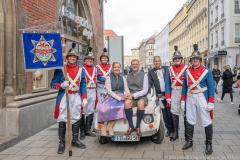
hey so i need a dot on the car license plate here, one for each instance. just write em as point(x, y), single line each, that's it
point(125, 138)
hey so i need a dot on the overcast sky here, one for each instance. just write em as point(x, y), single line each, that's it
point(139, 19)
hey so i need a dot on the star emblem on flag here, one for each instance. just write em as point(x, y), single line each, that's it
point(43, 51)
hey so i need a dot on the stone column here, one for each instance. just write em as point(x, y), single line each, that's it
point(1, 54)
point(2, 100)
point(10, 43)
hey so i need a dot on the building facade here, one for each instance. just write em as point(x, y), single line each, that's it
point(25, 96)
point(178, 32)
point(161, 47)
point(224, 33)
point(108, 33)
point(146, 52)
point(129, 57)
point(188, 27)
point(198, 27)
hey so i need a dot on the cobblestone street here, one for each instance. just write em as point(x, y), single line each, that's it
point(226, 143)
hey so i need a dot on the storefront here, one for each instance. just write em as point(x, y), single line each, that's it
point(26, 96)
point(75, 25)
point(218, 59)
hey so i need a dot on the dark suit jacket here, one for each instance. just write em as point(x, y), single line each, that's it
point(153, 80)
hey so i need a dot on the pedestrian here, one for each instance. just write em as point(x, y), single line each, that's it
point(198, 96)
point(173, 89)
point(77, 94)
point(138, 85)
point(112, 108)
point(216, 76)
point(91, 80)
point(227, 78)
point(125, 72)
point(156, 79)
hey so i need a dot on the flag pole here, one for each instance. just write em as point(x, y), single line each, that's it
point(69, 128)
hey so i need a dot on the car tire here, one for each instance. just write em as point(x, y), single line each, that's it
point(159, 136)
point(102, 140)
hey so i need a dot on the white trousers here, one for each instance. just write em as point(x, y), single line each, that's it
point(196, 108)
point(176, 101)
point(74, 107)
point(91, 98)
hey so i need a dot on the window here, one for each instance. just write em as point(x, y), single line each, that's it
point(237, 6)
point(40, 79)
point(216, 18)
point(216, 44)
point(237, 33)
point(222, 5)
point(222, 32)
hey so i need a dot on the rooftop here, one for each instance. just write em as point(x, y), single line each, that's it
point(109, 33)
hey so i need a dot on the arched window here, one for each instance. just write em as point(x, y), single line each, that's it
point(69, 10)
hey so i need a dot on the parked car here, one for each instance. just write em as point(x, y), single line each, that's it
point(151, 126)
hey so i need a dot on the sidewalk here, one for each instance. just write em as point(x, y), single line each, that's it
point(226, 143)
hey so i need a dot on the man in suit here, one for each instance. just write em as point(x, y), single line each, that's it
point(157, 79)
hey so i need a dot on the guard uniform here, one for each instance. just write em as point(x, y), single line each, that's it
point(91, 81)
point(103, 70)
point(76, 84)
point(198, 95)
point(173, 90)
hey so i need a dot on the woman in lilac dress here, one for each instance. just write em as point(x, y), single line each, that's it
point(112, 108)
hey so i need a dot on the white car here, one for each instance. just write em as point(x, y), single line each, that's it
point(151, 125)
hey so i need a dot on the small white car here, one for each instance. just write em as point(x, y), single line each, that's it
point(151, 125)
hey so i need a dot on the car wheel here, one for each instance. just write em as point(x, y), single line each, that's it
point(102, 140)
point(159, 136)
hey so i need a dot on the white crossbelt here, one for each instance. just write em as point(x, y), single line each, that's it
point(196, 83)
point(105, 74)
point(91, 84)
point(177, 87)
point(73, 86)
point(177, 77)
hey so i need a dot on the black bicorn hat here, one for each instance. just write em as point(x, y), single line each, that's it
point(73, 51)
point(177, 53)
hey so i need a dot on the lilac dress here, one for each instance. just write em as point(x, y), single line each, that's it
point(112, 107)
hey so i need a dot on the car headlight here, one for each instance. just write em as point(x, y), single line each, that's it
point(148, 118)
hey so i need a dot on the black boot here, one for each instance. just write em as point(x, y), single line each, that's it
point(75, 133)
point(175, 127)
point(171, 136)
point(209, 134)
point(82, 128)
point(89, 121)
point(189, 136)
point(61, 136)
point(185, 121)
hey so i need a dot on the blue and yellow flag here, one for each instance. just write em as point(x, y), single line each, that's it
point(42, 50)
